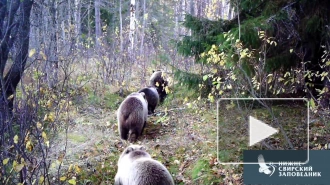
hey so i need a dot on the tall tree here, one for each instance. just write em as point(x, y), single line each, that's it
point(77, 18)
point(98, 32)
point(132, 27)
point(143, 26)
point(14, 42)
point(121, 27)
point(51, 44)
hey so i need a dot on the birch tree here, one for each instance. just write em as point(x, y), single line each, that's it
point(98, 32)
point(132, 27)
point(77, 18)
point(121, 27)
point(143, 26)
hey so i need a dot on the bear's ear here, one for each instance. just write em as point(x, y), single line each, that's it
point(143, 148)
point(143, 94)
point(129, 149)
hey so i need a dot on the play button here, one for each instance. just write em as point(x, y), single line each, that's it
point(259, 130)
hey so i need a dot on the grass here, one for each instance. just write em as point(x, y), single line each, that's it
point(202, 173)
point(199, 168)
point(233, 132)
point(77, 138)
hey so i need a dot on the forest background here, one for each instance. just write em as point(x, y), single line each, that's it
point(65, 66)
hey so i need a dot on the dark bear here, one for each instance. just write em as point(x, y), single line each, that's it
point(152, 98)
point(157, 80)
point(132, 116)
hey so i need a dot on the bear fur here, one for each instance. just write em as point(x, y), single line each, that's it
point(136, 167)
point(158, 81)
point(152, 97)
point(132, 116)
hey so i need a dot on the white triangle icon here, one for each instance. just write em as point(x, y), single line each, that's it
point(259, 130)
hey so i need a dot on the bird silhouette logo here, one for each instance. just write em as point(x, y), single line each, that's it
point(264, 168)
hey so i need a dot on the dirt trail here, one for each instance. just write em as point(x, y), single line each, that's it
point(175, 138)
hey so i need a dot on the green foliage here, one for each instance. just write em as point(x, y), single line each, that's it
point(204, 35)
point(262, 53)
point(201, 173)
point(199, 167)
point(106, 100)
point(190, 80)
point(313, 24)
point(225, 155)
point(278, 61)
point(94, 99)
point(112, 101)
point(102, 173)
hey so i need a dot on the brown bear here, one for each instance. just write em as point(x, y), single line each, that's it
point(136, 167)
point(132, 116)
point(157, 80)
point(152, 98)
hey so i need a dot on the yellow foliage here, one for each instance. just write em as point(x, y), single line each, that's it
point(41, 180)
point(49, 104)
point(63, 178)
point(16, 139)
point(32, 52)
point(51, 117)
point(17, 167)
point(39, 125)
point(77, 169)
point(230, 106)
point(5, 161)
point(53, 165)
point(44, 57)
point(72, 181)
point(167, 90)
point(29, 146)
point(243, 54)
point(211, 98)
point(70, 167)
point(44, 135)
point(222, 62)
point(312, 103)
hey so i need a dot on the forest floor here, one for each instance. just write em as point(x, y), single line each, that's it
point(181, 137)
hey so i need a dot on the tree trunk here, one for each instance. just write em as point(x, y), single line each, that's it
point(192, 7)
point(143, 26)
point(13, 31)
point(98, 33)
point(77, 18)
point(52, 62)
point(132, 27)
point(230, 9)
point(121, 28)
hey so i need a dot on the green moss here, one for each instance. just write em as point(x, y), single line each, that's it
point(201, 173)
point(112, 101)
point(77, 138)
point(199, 168)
